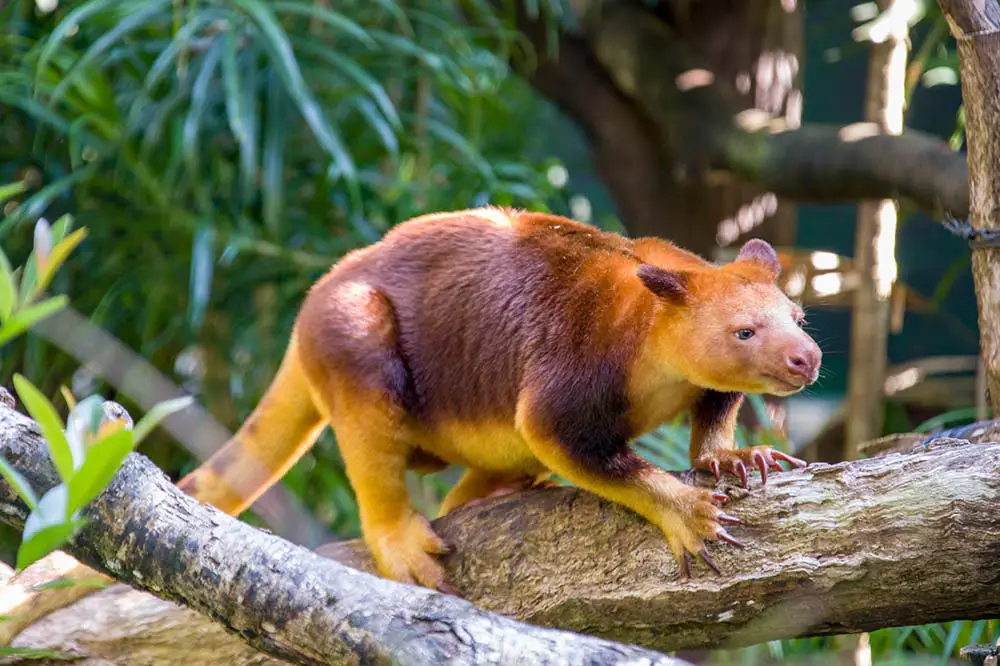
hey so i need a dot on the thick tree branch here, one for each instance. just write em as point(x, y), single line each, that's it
point(280, 598)
point(830, 549)
point(829, 163)
point(702, 119)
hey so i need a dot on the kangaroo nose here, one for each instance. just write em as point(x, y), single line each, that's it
point(804, 361)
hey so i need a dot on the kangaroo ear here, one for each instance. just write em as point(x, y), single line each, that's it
point(669, 285)
point(760, 251)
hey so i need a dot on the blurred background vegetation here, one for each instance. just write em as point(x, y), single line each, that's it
point(222, 154)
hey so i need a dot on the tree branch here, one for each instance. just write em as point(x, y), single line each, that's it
point(830, 549)
point(829, 163)
point(280, 598)
point(702, 119)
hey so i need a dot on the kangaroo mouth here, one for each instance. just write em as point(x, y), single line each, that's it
point(781, 386)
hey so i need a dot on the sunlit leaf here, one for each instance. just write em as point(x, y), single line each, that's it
point(83, 423)
point(48, 422)
point(10, 191)
point(43, 242)
point(155, 416)
point(29, 276)
point(26, 653)
point(57, 257)
point(8, 288)
point(27, 317)
point(103, 459)
point(45, 540)
point(20, 484)
point(68, 397)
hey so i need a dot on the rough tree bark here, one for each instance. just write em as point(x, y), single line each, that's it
point(278, 597)
point(976, 26)
point(830, 549)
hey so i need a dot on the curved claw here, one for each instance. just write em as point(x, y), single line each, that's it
point(758, 459)
point(714, 465)
point(686, 566)
point(774, 465)
point(729, 538)
point(720, 497)
point(741, 471)
point(789, 459)
point(709, 561)
point(731, 520)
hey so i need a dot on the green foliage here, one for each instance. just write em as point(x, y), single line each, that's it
point(85, 458)
point(221, 151)
point(19, 305)
point(85, 461)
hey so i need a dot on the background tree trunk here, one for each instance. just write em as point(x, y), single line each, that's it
point(875, 235)
point(976, 26)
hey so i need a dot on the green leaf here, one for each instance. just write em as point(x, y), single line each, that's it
point(103, 459)
point(11, 191)
point(93, 583)
point(44, 541)
point(29, 276)
point(130, 22)
point(202, 269)
point(49, 422)
point(241, 111)
point(8, 288)
point(192, 122)
point(331, 18)
point(349, 68)
point(154, 416)
point(37, 110)
point(288, 70)
point(57, 257)
point(32, 207)
point(67, 26)
point(84, 421)
point(458, 142)
point(24, 319)
point(38, 654)
point(20, 484)
point(273, 181)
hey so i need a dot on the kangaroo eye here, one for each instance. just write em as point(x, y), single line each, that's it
point(744, 333)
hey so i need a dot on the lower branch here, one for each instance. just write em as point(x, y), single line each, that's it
point(901, 539)
point(827, 164)
point(278, 597)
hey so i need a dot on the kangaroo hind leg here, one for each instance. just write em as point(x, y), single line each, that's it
point(364, 388)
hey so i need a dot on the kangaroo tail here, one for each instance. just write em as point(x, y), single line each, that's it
point(283, 426)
